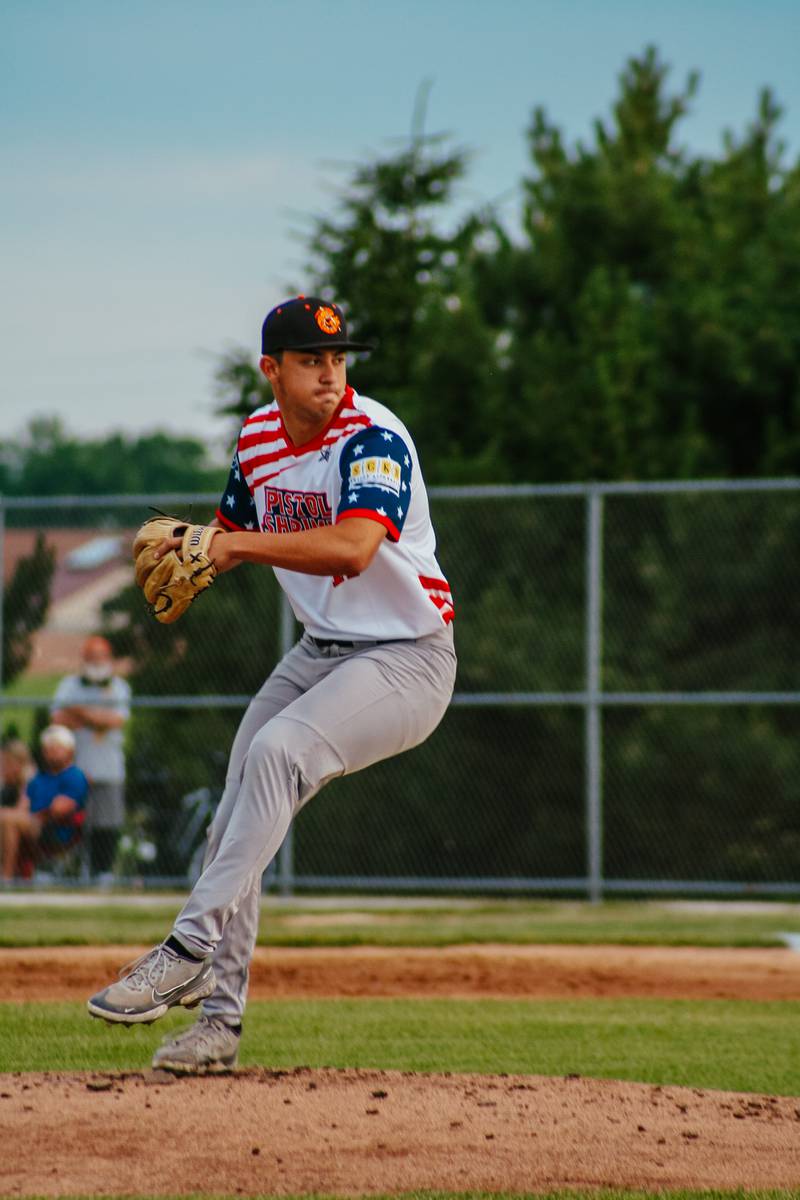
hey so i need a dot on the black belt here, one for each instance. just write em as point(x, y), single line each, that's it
point(326, 643)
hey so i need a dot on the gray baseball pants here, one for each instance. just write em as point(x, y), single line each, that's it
point(323, 712)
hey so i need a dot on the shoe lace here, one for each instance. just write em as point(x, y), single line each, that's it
point(147, 970)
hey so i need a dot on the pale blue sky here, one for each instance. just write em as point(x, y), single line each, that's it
point(157, 156)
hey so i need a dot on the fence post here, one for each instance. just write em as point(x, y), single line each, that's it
point(593, 753)
point(286, 852)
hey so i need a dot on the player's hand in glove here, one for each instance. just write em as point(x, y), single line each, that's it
point(173, 564)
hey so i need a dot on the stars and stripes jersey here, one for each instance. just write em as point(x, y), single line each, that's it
point(363, 464)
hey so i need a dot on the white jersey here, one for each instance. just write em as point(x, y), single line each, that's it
point(363, 464)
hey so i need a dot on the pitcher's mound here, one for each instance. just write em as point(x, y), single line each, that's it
point(359, 1132)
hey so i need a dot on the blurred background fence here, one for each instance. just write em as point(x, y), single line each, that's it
point(626, 718)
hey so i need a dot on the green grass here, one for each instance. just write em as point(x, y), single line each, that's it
point(730, 1045)
point(67, 925)
point(508, 921)
point(22, 718)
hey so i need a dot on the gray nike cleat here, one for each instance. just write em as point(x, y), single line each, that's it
point(149, 986)
point(209, 1047)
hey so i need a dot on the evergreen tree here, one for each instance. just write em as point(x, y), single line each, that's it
point(653, 307)
point(241, 387)
point(645, 326)
point(408, 287)
point(26, 598)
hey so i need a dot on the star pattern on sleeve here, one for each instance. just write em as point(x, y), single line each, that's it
point(375, 469)
point(237, 506)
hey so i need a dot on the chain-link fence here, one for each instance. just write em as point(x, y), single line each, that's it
point(626, 717)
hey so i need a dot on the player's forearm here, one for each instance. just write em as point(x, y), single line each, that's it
point(328, 550)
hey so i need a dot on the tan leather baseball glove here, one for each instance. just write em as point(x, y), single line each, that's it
point(171, 583)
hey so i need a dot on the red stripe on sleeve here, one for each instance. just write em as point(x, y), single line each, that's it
point(371, 515)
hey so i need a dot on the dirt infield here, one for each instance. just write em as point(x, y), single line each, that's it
point(690, 973)
point(361, 1132)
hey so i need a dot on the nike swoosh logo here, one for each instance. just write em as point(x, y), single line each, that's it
point(157, 995)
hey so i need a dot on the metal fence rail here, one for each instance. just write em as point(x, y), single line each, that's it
point(599, 616)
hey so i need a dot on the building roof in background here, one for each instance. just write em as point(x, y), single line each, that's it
point(91, 566)
point(82, 555)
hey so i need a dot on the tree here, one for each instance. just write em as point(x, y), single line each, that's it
point(408, 288)
point(25, 602)
point(652, 309)
point(241, 387)
point(49, 461)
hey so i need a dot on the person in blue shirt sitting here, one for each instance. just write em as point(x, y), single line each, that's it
point(49, 814)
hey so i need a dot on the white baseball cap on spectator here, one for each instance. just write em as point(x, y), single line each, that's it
point(58, 735)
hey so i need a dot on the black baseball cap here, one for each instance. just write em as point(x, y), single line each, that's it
point(306, 323)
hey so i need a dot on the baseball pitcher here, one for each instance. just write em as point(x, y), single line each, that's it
point(325, 487)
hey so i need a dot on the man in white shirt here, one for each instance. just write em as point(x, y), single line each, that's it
point(95, 704)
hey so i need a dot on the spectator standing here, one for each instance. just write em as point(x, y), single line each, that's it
point(51, 810)
point(95, 704)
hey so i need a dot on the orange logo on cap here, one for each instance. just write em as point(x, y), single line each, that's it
point(328, 320)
